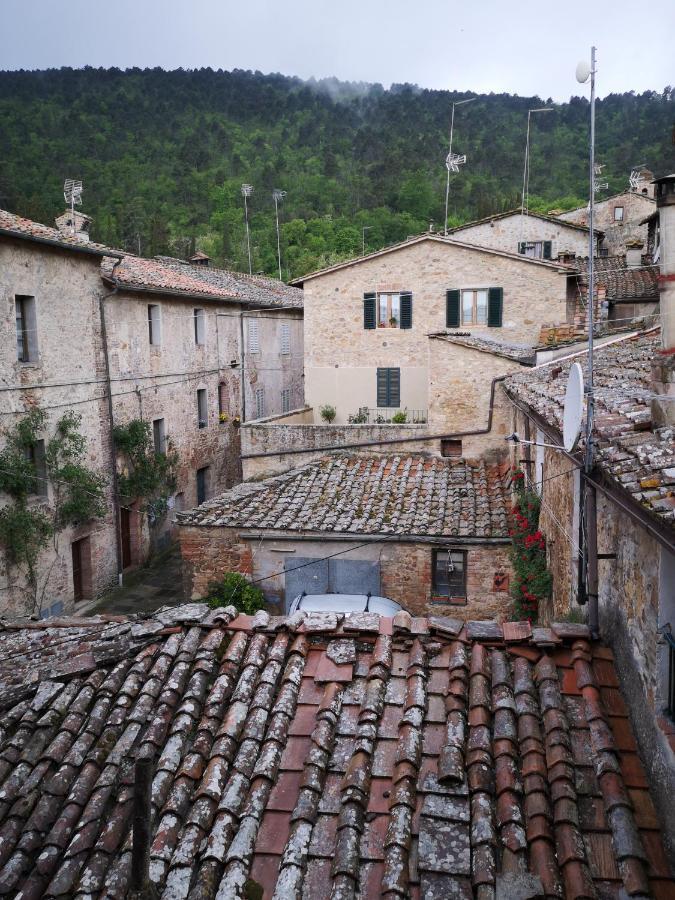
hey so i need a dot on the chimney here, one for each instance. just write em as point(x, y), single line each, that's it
point(77, 228)
point(663, 368)
point(634, 253)
point(645, 184)
point(199, 259)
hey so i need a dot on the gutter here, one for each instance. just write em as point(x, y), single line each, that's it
point(387, 441)
point(440, 540)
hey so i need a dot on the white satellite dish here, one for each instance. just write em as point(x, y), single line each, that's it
point(583, 72)
point(574, 407)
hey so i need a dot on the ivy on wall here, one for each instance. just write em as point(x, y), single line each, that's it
point(146, 476)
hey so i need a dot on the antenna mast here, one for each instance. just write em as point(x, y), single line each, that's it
point(246, 191)
point(278, 195)
point(72, 194)
point(453, 160)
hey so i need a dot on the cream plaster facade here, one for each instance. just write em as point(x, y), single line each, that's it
point(507, 232)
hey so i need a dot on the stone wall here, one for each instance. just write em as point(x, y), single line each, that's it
point(636, 207)
point(405, 567)
point(341, 357)
point(67, 372)
point(507, 233)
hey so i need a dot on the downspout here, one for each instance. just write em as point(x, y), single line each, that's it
point(242, 357)
point(113, 449)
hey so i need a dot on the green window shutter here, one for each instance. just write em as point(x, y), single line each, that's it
point(547, 249)
point(452, 309)
point(369, 311)
point(521, 247)
point(406, 310)
point(495, 304)
point(382, 387)
point(394, 387)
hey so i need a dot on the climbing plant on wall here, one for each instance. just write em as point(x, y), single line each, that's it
point(49, 488)
point(532, 581)
point(146, 475)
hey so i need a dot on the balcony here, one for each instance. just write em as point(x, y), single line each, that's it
point(386, 415)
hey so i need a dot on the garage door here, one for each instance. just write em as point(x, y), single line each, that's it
point(330, 576)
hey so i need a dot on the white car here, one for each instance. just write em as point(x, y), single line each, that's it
point(345, 603)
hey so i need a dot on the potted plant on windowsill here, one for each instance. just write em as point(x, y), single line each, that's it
point(393, 322)
point(328, 413)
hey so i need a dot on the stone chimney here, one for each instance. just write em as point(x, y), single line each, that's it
point(78, 229)
point(199, 259)
point(663, 369)
point(634, 253)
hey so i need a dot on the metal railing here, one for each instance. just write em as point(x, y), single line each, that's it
point(388, 415)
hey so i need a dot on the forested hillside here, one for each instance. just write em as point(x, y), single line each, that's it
point(163, 155)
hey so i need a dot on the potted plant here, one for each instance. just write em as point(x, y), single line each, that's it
point(400, 417)
point(393, 321)
point(328, 413)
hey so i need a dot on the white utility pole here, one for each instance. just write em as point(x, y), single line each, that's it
point(278, 195)
point(246, 191)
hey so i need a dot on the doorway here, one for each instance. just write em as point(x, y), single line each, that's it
point(125, 526)
point(82, 583)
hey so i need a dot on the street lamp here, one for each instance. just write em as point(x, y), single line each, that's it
point(526, 167)
point(453, 161)
point(246, 191)
point(278, 195)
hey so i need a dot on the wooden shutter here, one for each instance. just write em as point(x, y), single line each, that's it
point(394, 387)
point(369, 311)
point(495, 304)
point(382, 387)
point(547, 249)
point(406, 310)
point(452, 309)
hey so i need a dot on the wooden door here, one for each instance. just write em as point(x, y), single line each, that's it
point(125, 524)
point(76, 547)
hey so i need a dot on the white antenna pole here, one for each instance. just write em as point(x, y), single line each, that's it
point(451, 163)
point(588, 464)
point(247, 190)
point(525, 198)
point(277, 196)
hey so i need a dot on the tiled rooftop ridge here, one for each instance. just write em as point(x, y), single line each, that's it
point(327, 756)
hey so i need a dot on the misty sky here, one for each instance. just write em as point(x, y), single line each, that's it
point(481, 45)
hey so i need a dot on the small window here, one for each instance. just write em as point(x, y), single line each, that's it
point(253, 338)
point(202, 485)
point(82, 571)
point(159, 435)
point(449, 574)
point(35, 455)
point(223, 404)
point(388, 388)
point(202, 411)
point(388, 310)
point(533, 249)
point(26, 329)
point(200, 327)
point(259, 403)
point(474, 307)
point(154, 330)
point(286, 400)
point(618, 213)
point(451, 447)
point(285, 340)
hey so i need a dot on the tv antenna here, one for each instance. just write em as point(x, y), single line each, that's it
point(277, 196)
point(635, 177)
point(597, 184)
point(246, 191)
point(453, 160)
point(72, 194)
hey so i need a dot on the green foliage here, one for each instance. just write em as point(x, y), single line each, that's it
point(79, 492)
point(400, 417)
point(532, 581)
point(235, 590)
point(17, 472)
point(163, 156)
point(328, 413)
point(24, 532)
point(146, 475)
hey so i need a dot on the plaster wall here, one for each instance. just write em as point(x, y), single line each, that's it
point(269, 368)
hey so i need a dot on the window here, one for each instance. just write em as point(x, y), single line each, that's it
point(26, 333)
point(202, 485)
point(285, 340)
point(223, 404)
point(449, 574)
point(618, 213)
point(159, 435)
point(451, 447)
point(35, 455)
point(202, 411)
point(253, 338)
point(200, 327)
point(387, 310)
point(82, 573)
point(535, 249)
point(286, 400)
point(259, 403)
point(475, 306)
point(388, 387)
point(154, 330)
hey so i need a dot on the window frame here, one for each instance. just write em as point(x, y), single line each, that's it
point(259, 397)
point(154, 324)
point(285, 340)
point(25, 310)
point(458, 597)
point(388, 388)
point(474, 306)
point(159, 435)
point(202, 408)
point(200, 326)
point(253, 336)
point(202, 475)
point(390, 298)
point(621, 210)
point(285, 400)
point(35, 455)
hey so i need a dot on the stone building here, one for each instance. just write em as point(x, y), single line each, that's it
point(530, 234)
point(430, 533)
point(634, 479)
point(115, 338)
point(619, 217)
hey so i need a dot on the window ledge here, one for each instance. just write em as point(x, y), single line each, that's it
point(451, 601)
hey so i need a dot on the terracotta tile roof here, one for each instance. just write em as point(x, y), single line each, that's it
point(16, 226)
point(368, 494)
point(174, 276)
point(556, 220)
point(621, 282)
point(639, 458)
point(417, 758)
point(515, 352)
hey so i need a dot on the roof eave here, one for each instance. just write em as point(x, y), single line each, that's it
point(61, 245)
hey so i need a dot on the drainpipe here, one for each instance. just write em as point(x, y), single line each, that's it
point(242, 356)
point(113, 449)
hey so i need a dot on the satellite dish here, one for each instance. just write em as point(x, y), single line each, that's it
point(583, 72)
point(574, 407)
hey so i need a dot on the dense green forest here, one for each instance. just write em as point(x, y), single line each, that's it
point(163, 156)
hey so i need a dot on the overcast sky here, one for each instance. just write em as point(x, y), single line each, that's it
point(480, 45)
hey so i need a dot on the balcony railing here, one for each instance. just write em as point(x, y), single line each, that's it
point(388, 415)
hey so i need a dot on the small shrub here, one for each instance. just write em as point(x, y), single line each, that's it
point(328, 413)
point(400, 417)
point(235, 590)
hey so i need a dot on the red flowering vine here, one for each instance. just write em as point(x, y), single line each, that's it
point(532, 581)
